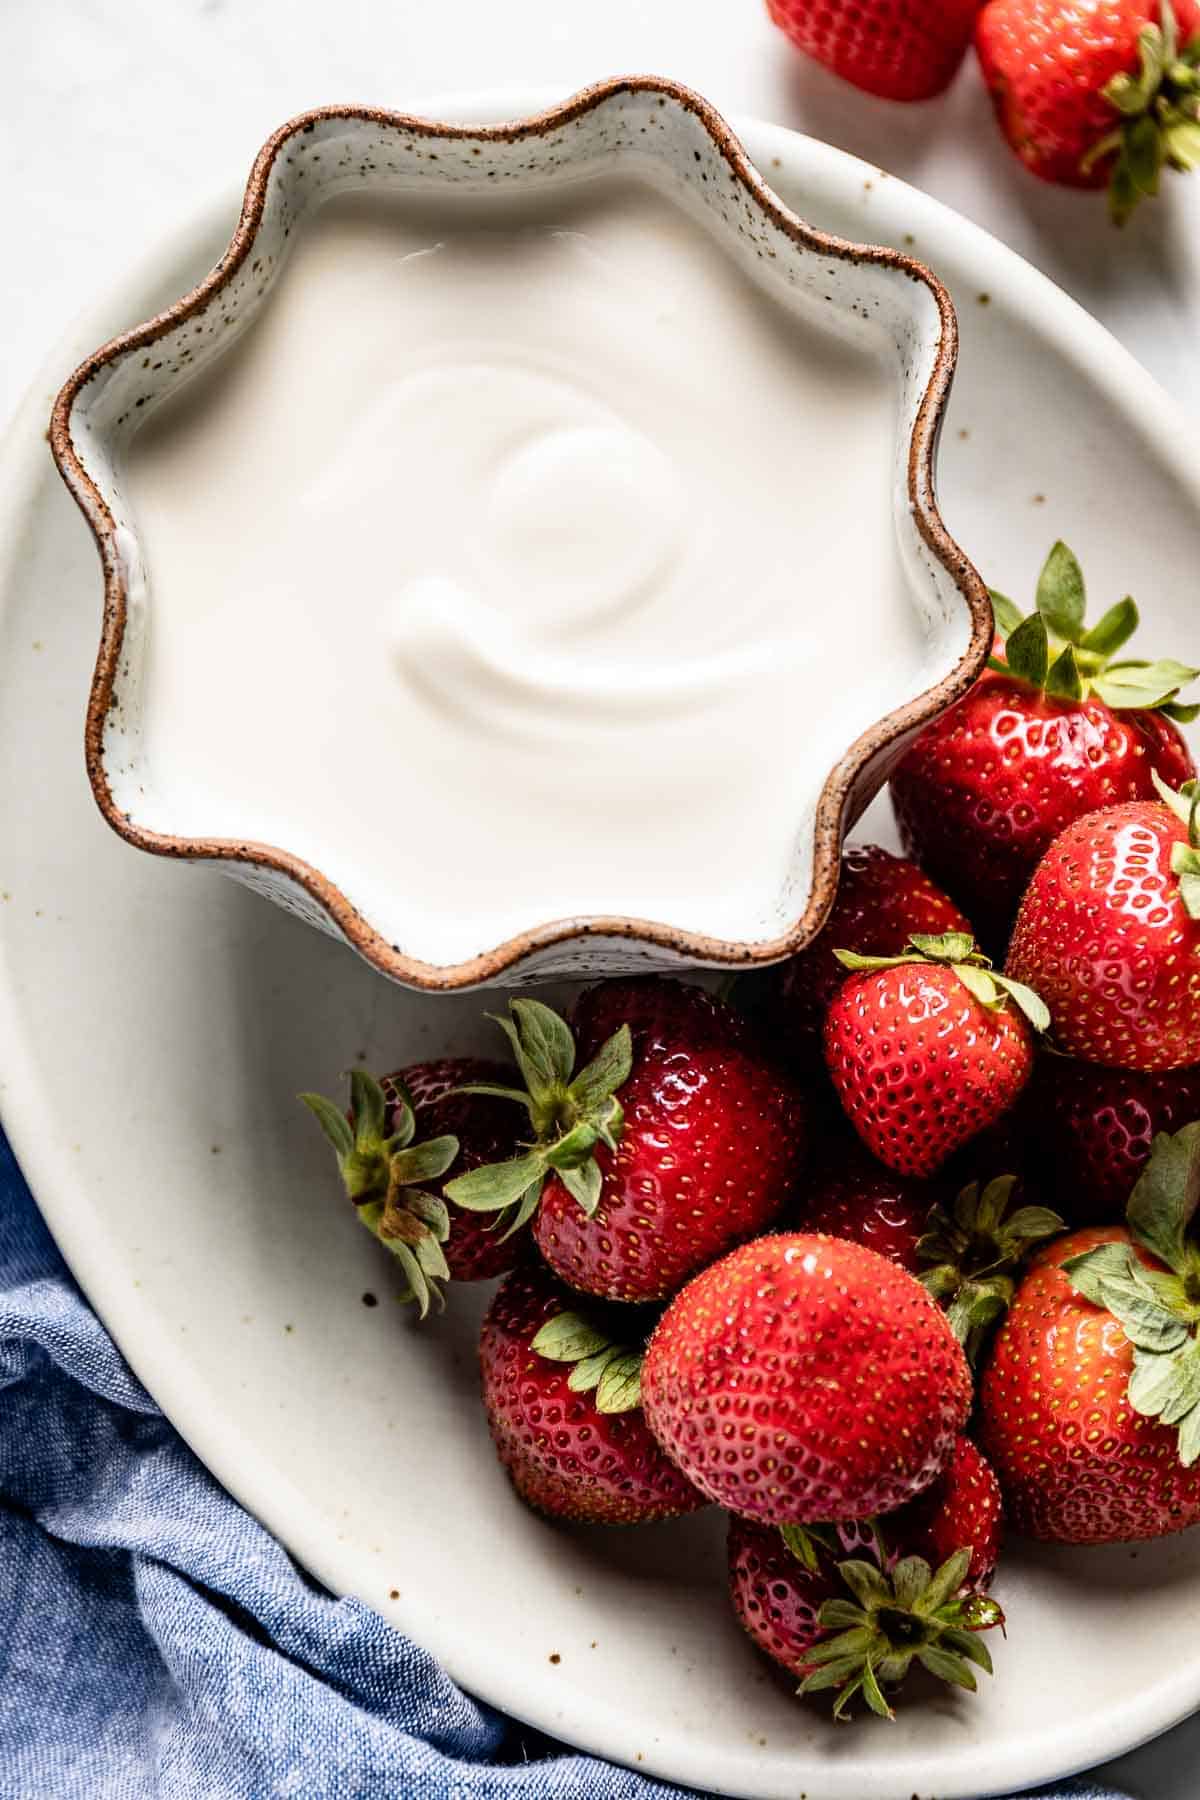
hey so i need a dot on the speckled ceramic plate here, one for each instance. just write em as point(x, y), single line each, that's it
point(181, 1014)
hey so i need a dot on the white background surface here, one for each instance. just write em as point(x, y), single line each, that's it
point(119, 116)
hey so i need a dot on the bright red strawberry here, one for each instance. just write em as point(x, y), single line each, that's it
point(1109, 929)
point(899, 49)
point(804, 1378)
point(561, 1395)
point(1096, 1127)
point(1055, 730)
point(674, 1141)
point(881, 901)
point(1096, 93)
point(1089, 1405)
point(962, 1510)
point(386, 1172)
point(925, 1050)
point(800, 1609)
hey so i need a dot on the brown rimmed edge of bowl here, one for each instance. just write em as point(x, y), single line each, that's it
point(841, 787)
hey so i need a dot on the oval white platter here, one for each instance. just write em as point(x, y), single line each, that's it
point(158, 1021)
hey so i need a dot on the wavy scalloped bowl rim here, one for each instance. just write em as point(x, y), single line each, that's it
point(837, 791)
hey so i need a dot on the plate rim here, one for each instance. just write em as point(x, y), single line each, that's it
point(230, 1455)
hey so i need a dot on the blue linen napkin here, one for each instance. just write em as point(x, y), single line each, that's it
point(156, 1641)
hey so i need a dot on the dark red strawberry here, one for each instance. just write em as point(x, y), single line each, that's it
point(962, 1510)
point(1056, 729)
point(1096, 92)
point(1090, 1405)
point(928, 1049)
point(845, 1193)
point(675, 1140)
point(1096, 1127)
point(802, 1610)
point(881, 901)
point(561, 1394)
point(898, 49)
point(1109, 929)
point(386, 1173)
point(802, 1379)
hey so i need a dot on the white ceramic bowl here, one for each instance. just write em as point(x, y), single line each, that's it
point(659, 132)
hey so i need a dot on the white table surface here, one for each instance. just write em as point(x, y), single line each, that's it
point(119, 115)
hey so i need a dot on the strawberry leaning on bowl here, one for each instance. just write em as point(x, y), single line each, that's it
point(897, 49)
point(852, 1608)
point(1096, 1127)
point(928, 1048)
point(561, 1393)
point(1091, 1403)
point(881, 900)
point(1060, 725)
point(1109, 930)
point(658, 1135)
point(387, 1172)
point(802, 1379)
point(1096, 93)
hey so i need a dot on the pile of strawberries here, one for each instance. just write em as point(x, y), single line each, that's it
point(890, 1242)
point(1089, 93)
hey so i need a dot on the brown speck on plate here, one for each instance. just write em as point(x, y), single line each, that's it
point(1039, 499)
point(289, 1328)
point(370, 1300)
point(393, 1593)
point(985, 299)
point(554, 1657)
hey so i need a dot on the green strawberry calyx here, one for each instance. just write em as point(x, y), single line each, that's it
point(603, 1366)
point(1157, 1307)
point(383, 1171)
point(1054, 650)
point(1185, 858)
point(975, 1249)
point(1159, 116)
point(570, 1114)
point(957, 950)
point(908, 1613)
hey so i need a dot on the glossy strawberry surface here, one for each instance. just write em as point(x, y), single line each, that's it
point(986, 787)
point(962, 1509)
point(1046, 63)
point(845, 1193)
point(803, 1378)
point(920, 1065)
point(566, 1457)
point(1076, 1463)
point(1095, 1127)
point(776, 1599)
point(881, 900)
point(1104, 937)
point(486, 1129)
point(898, 49)
point(713, 1138)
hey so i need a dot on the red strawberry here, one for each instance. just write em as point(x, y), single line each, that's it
point(881, 901)
point(386, 1173)
point(674, 1141)
point(804, 1378)
point(962, 1509)
point(925, 1050)
point(899, 49)
point(561, 1395)
point(1053, 732)
point(845, 1193)
point(1109, 929)
point(795, 1603)
point(1089, 1405)
point(1096, 92)
point(1096, 1127)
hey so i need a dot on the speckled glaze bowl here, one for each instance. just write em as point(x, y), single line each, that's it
point(635, 125)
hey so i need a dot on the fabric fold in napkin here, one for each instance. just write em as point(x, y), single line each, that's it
point(156, 1643)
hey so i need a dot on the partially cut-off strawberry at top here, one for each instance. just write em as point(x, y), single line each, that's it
point(929, 1048)
point(657, 1135)
point(1096, 93)
point(898, 49)
point(1063, 722)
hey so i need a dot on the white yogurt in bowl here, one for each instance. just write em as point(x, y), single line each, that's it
point(531, 550)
